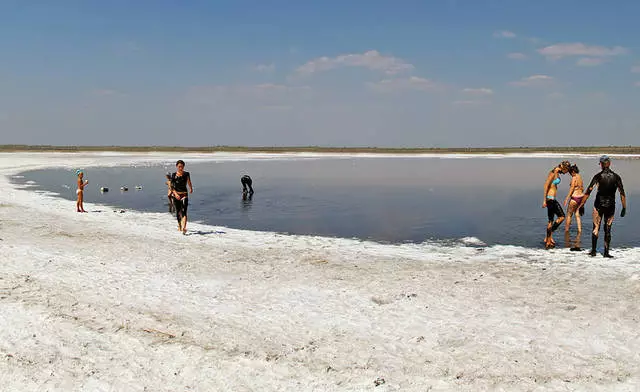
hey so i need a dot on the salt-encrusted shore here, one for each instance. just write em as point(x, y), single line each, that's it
point(110, 301)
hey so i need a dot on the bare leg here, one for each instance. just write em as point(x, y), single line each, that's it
point(573, 206)
point(550, 229)
point(79, 203)
point(597, 220)
point(183, 223)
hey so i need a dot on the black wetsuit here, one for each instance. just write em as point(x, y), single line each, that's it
point(179, 184)
point(246, 182)
point(608, 183)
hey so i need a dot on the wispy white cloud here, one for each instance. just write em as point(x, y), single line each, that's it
point(635, 69)
point(265, 68)
point(372, 60)
point(533, 81)
point(558, 51)
point(591, 61)
point(478, 91)
point(405, 84)
point(504, 34)
point(517, 56)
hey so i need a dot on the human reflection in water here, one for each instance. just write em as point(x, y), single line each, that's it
point(247, 199)
point(574, 245)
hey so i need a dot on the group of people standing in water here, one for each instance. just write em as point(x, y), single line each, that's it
point(604, 205)
point(179, 187)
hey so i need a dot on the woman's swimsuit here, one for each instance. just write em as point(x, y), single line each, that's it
point(553, 207)
point(179, 184)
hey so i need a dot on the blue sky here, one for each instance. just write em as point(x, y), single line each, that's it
point(377, 73)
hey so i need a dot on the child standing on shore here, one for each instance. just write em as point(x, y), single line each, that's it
point(80, 191)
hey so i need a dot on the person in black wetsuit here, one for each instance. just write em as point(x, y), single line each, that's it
point(179, 181)
point(604, 207)
point(246, 182)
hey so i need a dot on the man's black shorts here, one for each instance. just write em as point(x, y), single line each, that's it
point(606, 212)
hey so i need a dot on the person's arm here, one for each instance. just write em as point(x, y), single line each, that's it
point(587, 193)
point(623, 197)
point(189, 182)
point(547, 184)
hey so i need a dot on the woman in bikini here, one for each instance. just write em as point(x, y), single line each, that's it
point(179, 181)
point(551, 204)
point(574, 198)
point(80, 191)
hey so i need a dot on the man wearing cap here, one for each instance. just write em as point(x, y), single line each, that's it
point(604, 207)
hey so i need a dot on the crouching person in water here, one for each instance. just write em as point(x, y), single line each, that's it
point(551, 204)
point(604, 207)
point(179, 181)
point(246, 183)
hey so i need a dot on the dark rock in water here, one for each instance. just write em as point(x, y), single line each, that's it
point(379, 381)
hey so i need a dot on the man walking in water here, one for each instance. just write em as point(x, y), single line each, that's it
point(604, 207)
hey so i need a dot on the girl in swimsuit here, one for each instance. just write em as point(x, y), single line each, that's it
point(551, 204)
point(80, 191)
point(574, 198)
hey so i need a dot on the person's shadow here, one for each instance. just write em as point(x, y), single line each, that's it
point(208, 232)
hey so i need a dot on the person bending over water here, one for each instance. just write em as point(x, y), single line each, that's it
point(246, 182)
point(574, 198)
point(604, 207)
point(80, 191)
point(551, 204)
point(179, 181)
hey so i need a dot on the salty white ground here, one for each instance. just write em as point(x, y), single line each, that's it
point(110, 301)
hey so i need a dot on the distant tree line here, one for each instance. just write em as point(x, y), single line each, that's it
point(380, 150)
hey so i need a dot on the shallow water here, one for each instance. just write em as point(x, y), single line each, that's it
point(391, 200)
